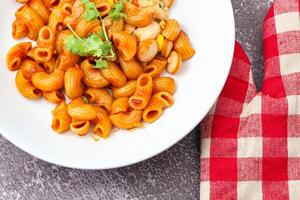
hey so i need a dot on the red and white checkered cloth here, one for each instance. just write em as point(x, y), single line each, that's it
point(250, 142)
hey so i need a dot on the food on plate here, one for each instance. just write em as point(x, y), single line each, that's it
point(101, 62)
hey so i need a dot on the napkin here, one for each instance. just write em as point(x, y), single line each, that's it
point(250, 141)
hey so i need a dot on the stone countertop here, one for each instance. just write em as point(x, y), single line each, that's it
point(172, 175)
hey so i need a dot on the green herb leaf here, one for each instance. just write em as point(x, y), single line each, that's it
point(91, 11)
point(75, 45)
point(101, 64)
point(91, 46)
point(116, 13)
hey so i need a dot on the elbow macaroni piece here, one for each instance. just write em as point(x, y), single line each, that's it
point(42, 54)
point(61, 119)
point(45, 45)
point(80, 110)
point(39, 8)
point(158, 103)
point(164, 84)
point(172, 29)
point(98, 29)
point(114, 75)
point(183, 46)
point(136, 16)
point(120, 105)
point(84, 27)
point(46, 38)
point(25, 88)
point(19, 29)
point(132, 68)
point(57, 16)
point(72, 82)
point(125, 91)
point(66, 60)
point(103, 6)
point(143, 92)
point(80, 127)
point(49, 66)
point(31, 19)
point(117, 25)
point(126, 44)
point(16, 55)
point(127, 120)
point(156, 67)
point(129, 29)
point(92, 77)
point(29, 67)
point(99, 97)
point(48, 82)
point(55, 97)
point(77, 10)
point(30, 53)
point(103, 125)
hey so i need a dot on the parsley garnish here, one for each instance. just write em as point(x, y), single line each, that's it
point(92, 45)
point(116, 13)
point(97, 45)
point(91, 11)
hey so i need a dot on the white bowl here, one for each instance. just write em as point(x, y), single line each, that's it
point(27, 124)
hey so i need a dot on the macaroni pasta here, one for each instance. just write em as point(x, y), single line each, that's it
point(99, 61)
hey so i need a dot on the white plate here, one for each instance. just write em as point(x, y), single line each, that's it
point(210, 25)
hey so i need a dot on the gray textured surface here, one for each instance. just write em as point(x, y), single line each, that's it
point(171, 175)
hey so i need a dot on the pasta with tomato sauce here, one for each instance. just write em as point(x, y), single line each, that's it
point(101, 62)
